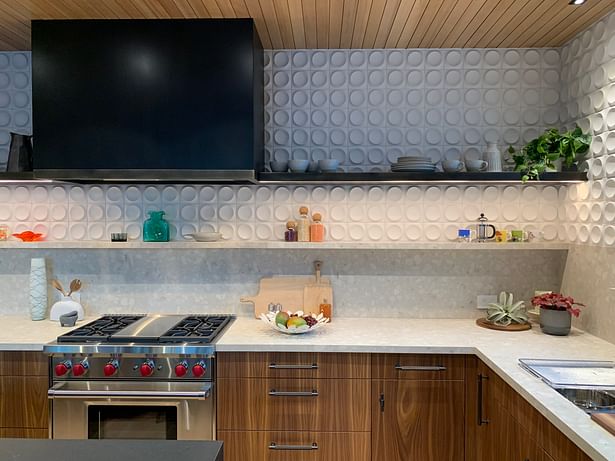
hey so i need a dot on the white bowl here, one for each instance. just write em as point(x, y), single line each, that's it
point(279, 166)
point(205, 236)
point(328, 165)
point(269, 319)
point(298, 166)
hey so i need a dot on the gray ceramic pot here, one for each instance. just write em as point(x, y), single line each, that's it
point(555, 322)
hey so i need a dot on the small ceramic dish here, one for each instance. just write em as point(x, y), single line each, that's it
point(269, 319)
point(205, 236)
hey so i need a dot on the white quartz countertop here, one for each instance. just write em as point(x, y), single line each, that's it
point(499, 350)
point(19, 333)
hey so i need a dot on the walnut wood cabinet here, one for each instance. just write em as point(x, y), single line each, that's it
point(303, 406)
point(502, 425)
point(23, 395)
point(418, 407)
point(378, 407)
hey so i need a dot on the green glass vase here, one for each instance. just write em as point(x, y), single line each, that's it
point(156, 228)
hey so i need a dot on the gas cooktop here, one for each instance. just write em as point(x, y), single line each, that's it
point(149, 330)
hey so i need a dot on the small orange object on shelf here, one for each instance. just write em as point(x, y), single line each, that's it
point(29, 236)
point(325, 309)
point(317, 229)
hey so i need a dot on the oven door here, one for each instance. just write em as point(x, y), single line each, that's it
point(132, 410)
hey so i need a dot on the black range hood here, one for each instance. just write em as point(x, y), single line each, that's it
point(147, 100)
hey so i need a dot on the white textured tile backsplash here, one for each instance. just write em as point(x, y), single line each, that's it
point(15, 99)
point(363, 107)
point(351, 213)
point(588, 94)
point(368, 107)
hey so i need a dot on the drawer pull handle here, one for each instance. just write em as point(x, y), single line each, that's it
point(312, 393)
point(275, 366)
point(275, 446)
point(420, 368)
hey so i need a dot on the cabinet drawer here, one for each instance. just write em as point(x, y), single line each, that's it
point(298, 446)
point(418, 366)
point(22, 363)
point(292, 365)
point(293, 404)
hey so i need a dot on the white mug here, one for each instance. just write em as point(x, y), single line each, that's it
point(452, 166)
point(476, 165)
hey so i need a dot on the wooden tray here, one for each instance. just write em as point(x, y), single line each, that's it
point(605, 420)
point(482, 322)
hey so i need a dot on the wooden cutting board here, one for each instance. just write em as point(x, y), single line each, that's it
point(606, 420)
point(290, 292)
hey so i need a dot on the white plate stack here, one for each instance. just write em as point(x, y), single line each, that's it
point(413, 164)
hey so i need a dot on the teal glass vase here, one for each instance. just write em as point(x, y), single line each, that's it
point(156, 228)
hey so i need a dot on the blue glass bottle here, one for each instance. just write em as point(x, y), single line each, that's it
point(156, 228)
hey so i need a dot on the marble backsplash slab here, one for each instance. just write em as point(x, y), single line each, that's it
point(367, 283)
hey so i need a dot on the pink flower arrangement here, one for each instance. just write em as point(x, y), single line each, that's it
point(557, 302)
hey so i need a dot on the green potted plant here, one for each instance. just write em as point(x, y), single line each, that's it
point(539, 154)
point(556, 311)
point(505, 312)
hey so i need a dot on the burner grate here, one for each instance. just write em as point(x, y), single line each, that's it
point(99, 329)
point(196, 329)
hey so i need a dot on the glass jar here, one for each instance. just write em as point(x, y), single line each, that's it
point(317, 229)
point(156, 228)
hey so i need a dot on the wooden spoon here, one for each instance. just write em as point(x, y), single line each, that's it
point(75, 286)
point(58, 286)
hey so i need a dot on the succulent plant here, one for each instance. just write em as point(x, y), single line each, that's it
point(504, 312)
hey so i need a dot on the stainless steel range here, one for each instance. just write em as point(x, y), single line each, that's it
point(135, 377)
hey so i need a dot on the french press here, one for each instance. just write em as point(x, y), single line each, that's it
point(481, 229)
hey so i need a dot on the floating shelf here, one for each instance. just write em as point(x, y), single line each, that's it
point(21, 177)
point(566, 177)
point(279, 245)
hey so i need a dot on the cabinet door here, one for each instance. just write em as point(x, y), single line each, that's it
point(507, 440)
point(23, 402)
point(417, 420)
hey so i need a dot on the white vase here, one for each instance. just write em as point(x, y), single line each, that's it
point(65, 306)
point(493, 157)
point(38, 289)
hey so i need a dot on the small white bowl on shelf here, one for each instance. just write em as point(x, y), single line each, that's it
point(269, 319)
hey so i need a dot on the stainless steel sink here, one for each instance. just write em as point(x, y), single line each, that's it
point(591, 400)
point(590, 385)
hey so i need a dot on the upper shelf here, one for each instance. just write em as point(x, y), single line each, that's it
point(417, 178)
point(567, 177)
point(280, 245)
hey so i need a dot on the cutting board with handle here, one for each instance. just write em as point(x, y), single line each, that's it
point(317, 292)
point(293, 293)
point(606, 420)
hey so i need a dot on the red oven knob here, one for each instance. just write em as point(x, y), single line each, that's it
point(199, 369)
point(111, 368)
point(63, 367)
point(81, 368)
point(181, 369)
point(147, 368)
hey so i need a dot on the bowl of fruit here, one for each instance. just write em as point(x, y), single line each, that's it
point(293, 323)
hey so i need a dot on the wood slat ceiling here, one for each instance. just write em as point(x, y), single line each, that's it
point(340, 23)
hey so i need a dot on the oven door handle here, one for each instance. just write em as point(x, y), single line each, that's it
point(56, 392)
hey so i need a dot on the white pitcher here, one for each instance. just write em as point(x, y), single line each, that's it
point(493, 157)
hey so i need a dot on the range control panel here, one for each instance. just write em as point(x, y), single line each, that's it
point(90, 367)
